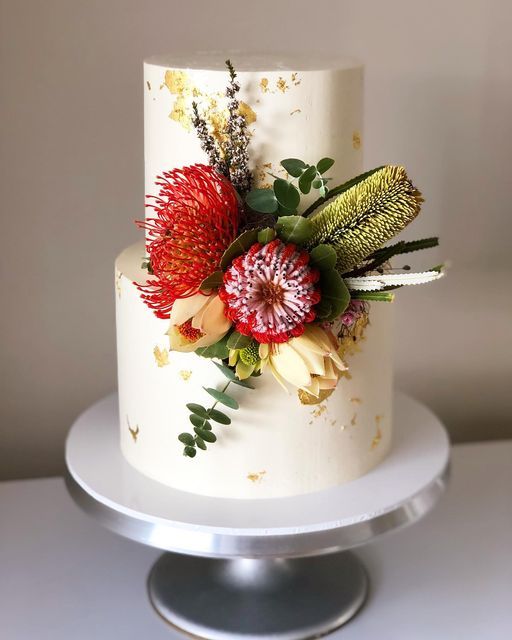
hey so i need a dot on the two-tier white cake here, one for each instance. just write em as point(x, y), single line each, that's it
point(276, 445)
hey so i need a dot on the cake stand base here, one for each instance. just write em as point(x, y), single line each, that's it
point(282, 599)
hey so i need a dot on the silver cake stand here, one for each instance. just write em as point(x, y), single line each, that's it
point(267, 568)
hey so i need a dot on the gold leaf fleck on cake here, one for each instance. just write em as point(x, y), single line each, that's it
point(256, 477)
point(177, 81)
point(185, 374)
point(309, 398)
point(281, 85)
point(356, 400)
point(378, 433)
point(118, 277)
point(346, 374)
point(319, 410)
point(356, 140)
point(133, 432)
point(180, 113)
point(295, 79)
point(264, 85)
point(245, 110)
point(353, 421)
point(148, 85)
point(295, 111)
point(161, 356)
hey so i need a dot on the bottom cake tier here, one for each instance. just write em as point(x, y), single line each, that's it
point(276, 446)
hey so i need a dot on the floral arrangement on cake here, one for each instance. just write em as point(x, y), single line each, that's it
point(262, 285)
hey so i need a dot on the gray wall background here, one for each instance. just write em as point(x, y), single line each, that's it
point(438, 99)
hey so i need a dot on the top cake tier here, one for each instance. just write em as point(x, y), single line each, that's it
point(306, 108)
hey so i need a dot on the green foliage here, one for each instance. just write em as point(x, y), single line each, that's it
point(335, 295)
point(262, 200)
point(284, 197)
point(323, 257)
point(379, 257)
point(373, 296)
point(238, 246)
point(238, 341)
point(201, 417)
point(364, 217)
point(218, 350)
point(266, 235)
point(213, 281)
point(294, 229)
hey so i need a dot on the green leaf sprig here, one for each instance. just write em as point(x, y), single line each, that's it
point(284, 197)
point(201, 417)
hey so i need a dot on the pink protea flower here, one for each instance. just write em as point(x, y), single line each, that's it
point(270, 292)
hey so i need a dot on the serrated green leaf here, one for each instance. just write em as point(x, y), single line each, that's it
point(217, 350)
point(186, 438)
point(294, 229)
point(324, 164)
point(197, 409)
point(190, 452)
point(335, 292)
point(200, 443)
point(238, 246)
point(266, 235)
point(323, 257)
point(287, 194)
point(222, 397)
point(219, 417)
point(262, 200)
point(294, 166)
point(238, 341)
point(213, 281)
point(306, 179)
point(208, 436)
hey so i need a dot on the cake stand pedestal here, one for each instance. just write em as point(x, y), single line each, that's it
point(266, 568)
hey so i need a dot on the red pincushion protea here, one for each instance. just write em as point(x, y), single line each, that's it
point(196, 220)
point(270, 291)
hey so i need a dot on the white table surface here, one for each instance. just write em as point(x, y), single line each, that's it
point(62, 576)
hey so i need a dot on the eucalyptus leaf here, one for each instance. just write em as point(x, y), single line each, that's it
point(323, 257)
point(335, 292)
point(196, 420)
point(266, 235)
point(243, 383)
point(262, 200)
point(287, 194)
point(294, 166)
point(198, 410)
point(213, 281)
point(208, 436)
point(294, 229)
point(200, 443)
point(238, 341)
point(222, 397)
point(219, 417)
point(229, 373)
point(324, 164)
point(238, 246)
point(317, 184)
point(186, 438)
point(306, 179)
point(190, 452)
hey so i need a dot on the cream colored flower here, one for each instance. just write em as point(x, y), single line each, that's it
point(309, 362)
point(197, 321)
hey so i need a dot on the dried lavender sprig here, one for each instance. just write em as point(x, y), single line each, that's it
point(237, 138)
point(208, 143)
